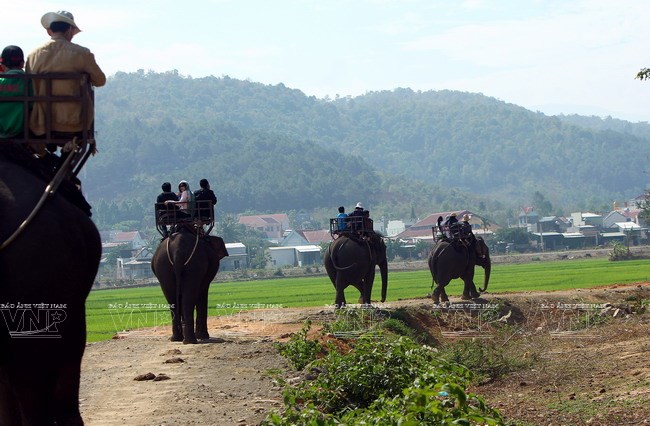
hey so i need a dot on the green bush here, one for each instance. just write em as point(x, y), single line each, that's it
point(444, 404)
point(398, 327)
point(619, 252)
point(384, 381)
point(299, 350)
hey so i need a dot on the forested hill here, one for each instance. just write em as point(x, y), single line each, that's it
point(271, 148)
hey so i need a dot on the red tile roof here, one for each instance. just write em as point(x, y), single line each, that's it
point(316, 237)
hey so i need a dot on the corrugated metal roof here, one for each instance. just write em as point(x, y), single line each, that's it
point(627, 225)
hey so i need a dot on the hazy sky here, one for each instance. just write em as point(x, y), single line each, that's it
point(564, 56)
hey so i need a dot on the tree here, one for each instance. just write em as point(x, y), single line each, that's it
point(512, 235)
point(644, 74)
point(542, 205)
point(644, 205)
point(230, 230)
point(392, 248)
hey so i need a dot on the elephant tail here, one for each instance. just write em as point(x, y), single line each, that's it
point(438, 250)
point(433, 266)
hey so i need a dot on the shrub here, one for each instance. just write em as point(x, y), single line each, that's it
point(398, 327)
point(619, 252)
point(380, 379)
point(486, 358)
point(299, 350)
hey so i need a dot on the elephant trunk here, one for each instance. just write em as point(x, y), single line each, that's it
point(383, 270)
point(487, 266)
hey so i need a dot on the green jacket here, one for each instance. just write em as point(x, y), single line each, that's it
point(12, 116)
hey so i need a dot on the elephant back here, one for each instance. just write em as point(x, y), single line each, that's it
point(346, 252)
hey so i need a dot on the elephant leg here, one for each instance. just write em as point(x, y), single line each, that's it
point(202, 314)
point(439, 292)
point(66, 397)
point(177, 332)
point(339, 302)
point(443, 295)
point(359, 286)
point(469, 289)
point(187, 322)
point(435, 295)
point(366, 289)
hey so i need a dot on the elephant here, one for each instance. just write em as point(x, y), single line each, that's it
point(352, 261)
point(450, 260)
point(46, 273)
point(185, 264)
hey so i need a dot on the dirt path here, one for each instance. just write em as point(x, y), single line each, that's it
point(600, 376)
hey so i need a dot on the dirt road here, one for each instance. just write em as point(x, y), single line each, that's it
point(598, 376)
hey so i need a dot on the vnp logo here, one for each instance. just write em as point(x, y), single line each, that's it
point(35, 321)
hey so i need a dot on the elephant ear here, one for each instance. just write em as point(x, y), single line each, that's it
point(219, 246)
point(480, 247)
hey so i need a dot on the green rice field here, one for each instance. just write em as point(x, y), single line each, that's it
point(111, 311)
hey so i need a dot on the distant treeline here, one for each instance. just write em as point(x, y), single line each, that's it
point(272, 149)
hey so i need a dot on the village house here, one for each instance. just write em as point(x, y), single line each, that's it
point(272, 225)
point(306, 237)
point(237, 257)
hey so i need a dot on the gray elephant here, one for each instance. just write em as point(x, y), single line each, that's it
point(352, 261)
point(185, 264)
point(450, 260)
point(47, 271)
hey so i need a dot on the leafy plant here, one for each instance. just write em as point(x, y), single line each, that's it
point(619, 252)
point(384, 381)
point(398, 327)
point(299, 350)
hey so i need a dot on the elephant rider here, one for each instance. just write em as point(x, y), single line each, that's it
point(341, 220)
point(205, 210)
point(466, 229)
point(453, 230)
point(165, 214)
point(446, 228)
point(356, 219)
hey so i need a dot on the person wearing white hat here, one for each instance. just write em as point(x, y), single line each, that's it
point(59, 54)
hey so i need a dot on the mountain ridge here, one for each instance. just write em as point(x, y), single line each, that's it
point(271, 148)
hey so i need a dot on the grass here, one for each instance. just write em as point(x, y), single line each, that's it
point(110, 311)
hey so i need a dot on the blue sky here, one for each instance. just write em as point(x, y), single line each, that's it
point(571, 56)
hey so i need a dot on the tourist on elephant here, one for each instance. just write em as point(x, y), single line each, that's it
point(341, 220)
point(185, 197)
point(59, 54)
point(167, 194)
point(185, 201)
point(205, 210)
point(163, 197)
point(356, 218)
point(12, 114)
point(448, 225)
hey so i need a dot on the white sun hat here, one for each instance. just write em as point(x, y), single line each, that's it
point(60, 16)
